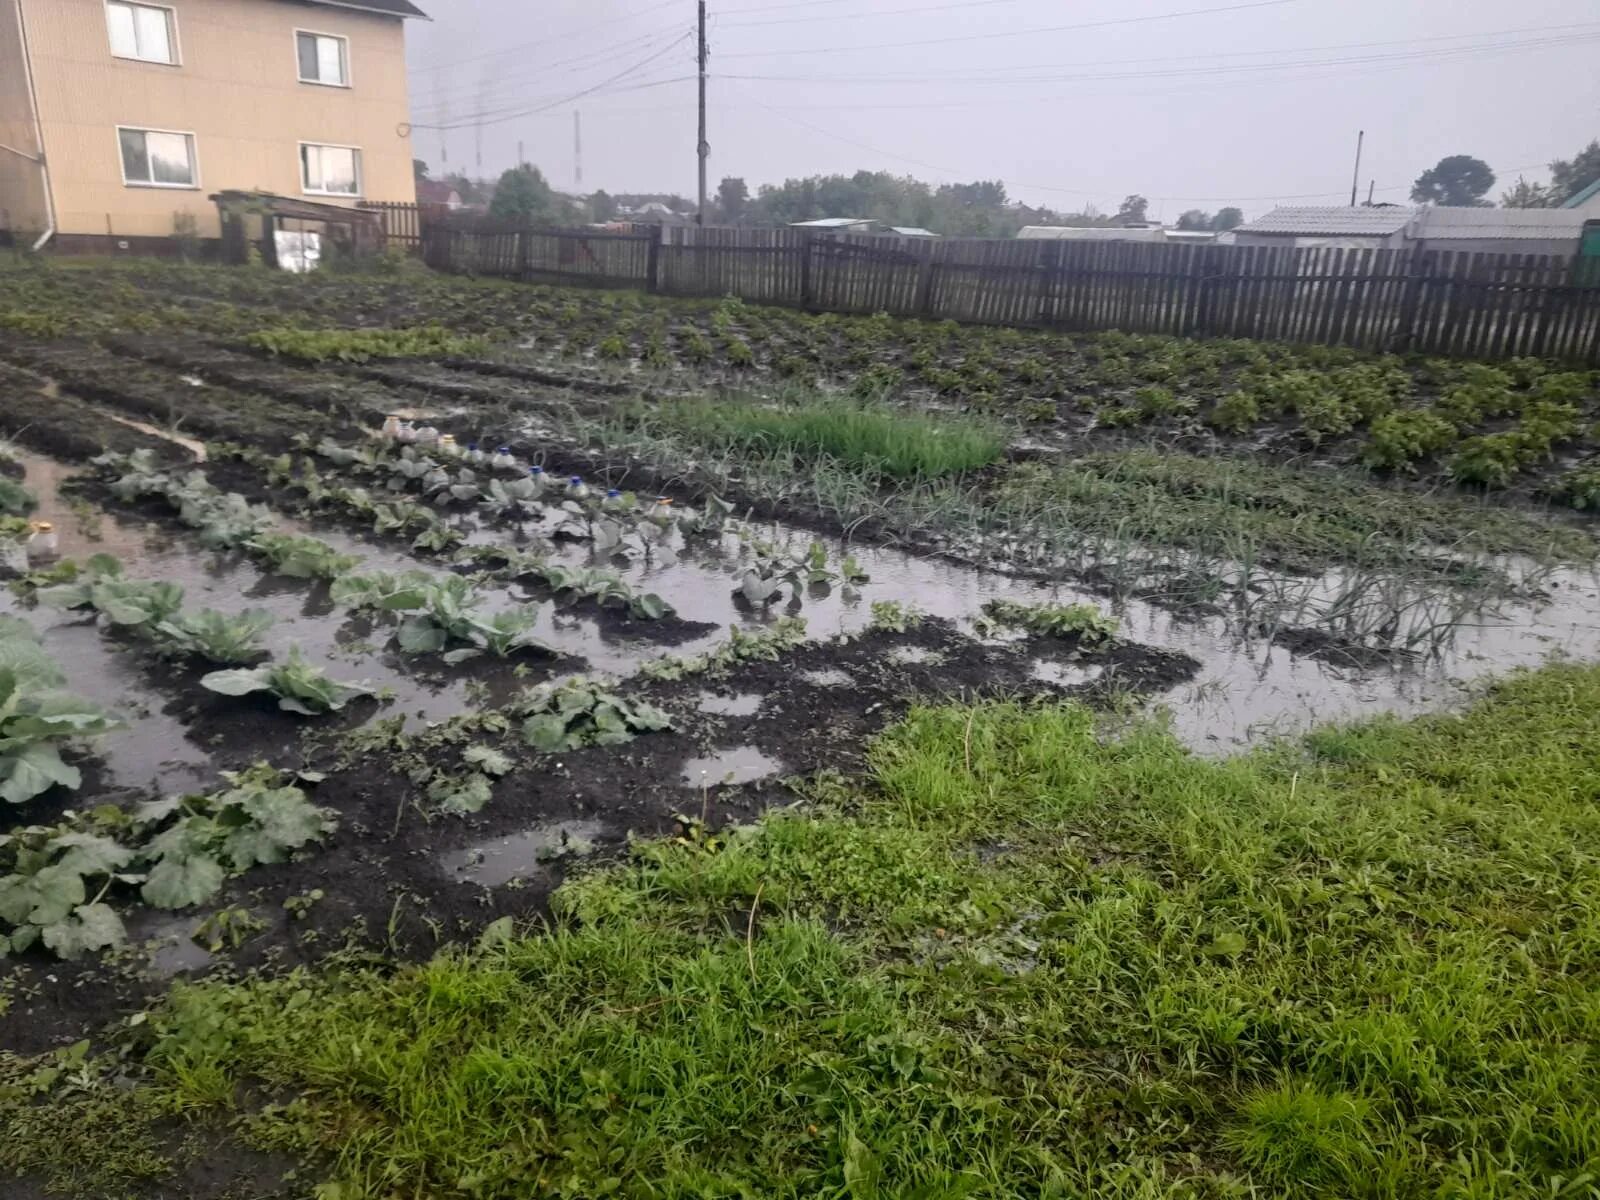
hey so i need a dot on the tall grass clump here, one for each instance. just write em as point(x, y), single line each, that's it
point(870, 436)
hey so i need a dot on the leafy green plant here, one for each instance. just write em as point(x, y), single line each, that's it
point(1492, 460)
point(1581, 488)
point(761, 645)
point(258, 819)
point(302, 557)
point(1236, 412)
point(383, 591)
point(1083, 623)
point(226, 638)
point(1399, 439)
point(579, 712)
point(300, 687)
point(36, 717)
point(891, 616)
point(362, 345)
point(15, 500)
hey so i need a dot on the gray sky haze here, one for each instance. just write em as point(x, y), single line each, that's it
point(1246, 102)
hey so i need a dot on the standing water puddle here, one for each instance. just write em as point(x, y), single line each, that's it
point(521, 855)
point(729, 768)
point(1065, 674)
point(744, 704)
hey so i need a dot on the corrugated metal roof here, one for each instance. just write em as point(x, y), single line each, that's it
point(393, 8)
point(1498, 224)
point(1583, 197)
point(1331, 222)
point(831, 222)
point(912, 231)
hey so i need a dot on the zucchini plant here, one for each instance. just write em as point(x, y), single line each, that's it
point(299, 686)
point(57, 881)
point(37, 718)
point(580, 712)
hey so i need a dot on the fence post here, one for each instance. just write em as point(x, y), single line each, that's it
point(805, 269)
point(1410, 300)
point(924, 303)
point(653, 266)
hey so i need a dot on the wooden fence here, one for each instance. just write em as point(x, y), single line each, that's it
point(1468, 305)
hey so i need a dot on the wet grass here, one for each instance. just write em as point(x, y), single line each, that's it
point(1025, 958)
point(875, 438)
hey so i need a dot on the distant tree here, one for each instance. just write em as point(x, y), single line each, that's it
point(1568, 177)
point(1194, 219)
point(1527, 195)
point(733, 197)
point(1132, 210)
point(1227, 218)
point(419, 169)
point(603, 206)
point(523, 194)
point(1457, 181)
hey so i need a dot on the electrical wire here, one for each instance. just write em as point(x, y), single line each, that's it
point(439, 100)
point(1010, 33)
point(1001, 74)
point(545, 41)
point(501, 116)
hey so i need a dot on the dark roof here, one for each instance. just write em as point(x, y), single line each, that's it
point(393, 8)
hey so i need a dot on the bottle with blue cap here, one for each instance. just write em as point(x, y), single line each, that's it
point(503, 459)
point(577, 489)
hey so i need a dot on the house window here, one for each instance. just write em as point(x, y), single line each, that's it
point(330, 170)
point(146, 32)
point(323, 59)
point(158, 158)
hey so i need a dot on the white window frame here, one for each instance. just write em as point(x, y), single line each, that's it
point(344, 54)
point(361, 172)
point(172, 36)
point(194, 159)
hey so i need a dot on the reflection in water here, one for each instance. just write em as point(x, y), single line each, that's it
point(729, 768)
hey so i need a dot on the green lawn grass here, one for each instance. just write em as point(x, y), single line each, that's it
point(872, 437)
point(1026, 958)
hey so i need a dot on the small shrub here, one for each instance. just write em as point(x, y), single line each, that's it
point(739, 353)
point(878, 379)
point(1401, 438)
point(1581, 488)
point(1492, 460)
point(1236, 413)
point(1156, 401)
point(612, 347)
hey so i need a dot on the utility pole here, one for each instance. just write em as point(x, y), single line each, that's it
point(577, 148)
point(521, 157)
point(705, 147)
point(1372, 186)
point(1355, 180)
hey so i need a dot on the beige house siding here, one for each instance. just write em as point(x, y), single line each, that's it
point(236, 89)
point(22, 197)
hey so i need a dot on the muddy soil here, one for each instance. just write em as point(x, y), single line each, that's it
point(402, 883)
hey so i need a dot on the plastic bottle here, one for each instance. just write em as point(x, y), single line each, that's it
point(391, 428)
point(475, 456)
point(660, 513)
point(448, 447)
point(503, 459)
point(407, 433)
point(44, 545)
point(539, 479)
point(577, 489)
point(613, 501)
point(427, 435)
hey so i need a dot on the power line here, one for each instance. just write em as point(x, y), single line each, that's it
point(480, 119)
point(1441, 54)
point(441, 99)
point(861, 16)
point(1009, 33)
point(544, 41)
point(991, 74)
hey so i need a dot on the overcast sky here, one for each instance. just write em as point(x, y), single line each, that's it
point(1254, 102)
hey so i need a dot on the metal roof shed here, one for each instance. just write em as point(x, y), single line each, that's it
point(1362, 228)
point(1499, 230)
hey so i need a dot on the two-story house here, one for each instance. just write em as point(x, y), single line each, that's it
point(120, 118)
